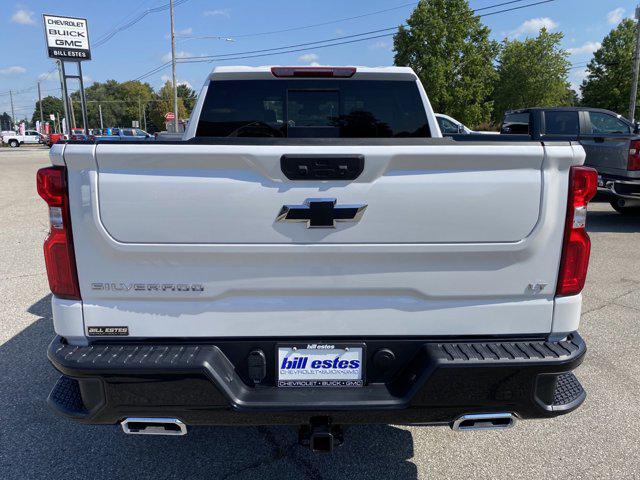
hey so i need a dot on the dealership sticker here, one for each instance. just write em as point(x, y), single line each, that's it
point(108, 331)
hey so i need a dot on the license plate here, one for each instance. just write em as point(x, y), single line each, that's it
point(320, 365)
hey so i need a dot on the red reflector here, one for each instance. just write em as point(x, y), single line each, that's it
point(634, 155)
point(58, 247)
point(576, 246)
point(313, 72)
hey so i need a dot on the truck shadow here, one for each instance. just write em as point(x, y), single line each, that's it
point(612, 222)
point(38, 444)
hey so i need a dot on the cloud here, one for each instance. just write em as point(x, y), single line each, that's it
point(15, 70)
point(308, 58)
point(615, 16)
point(380, 45)
point(534, 25)
point(182, 54)
point(181, 33)
point(586, 48)
point(217, 13)
point(23, 17)
point(49, 76)
point(576, 78)
point(167, 78)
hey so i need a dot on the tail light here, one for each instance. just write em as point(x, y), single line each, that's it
point(634, 155)
point(313, 72)
point(576, 247)
point(59, 256)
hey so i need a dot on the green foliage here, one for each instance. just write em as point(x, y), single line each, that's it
point(188, 96)
point(532, 73)
point(122, 103)
point(449, 48)
point(5, 121)
point(164, 103)
point(50, 105)
point(609, 73)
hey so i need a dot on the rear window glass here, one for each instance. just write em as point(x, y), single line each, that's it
point(603, 123)
point(561, 123)
point(516, 124)
point(313, 109)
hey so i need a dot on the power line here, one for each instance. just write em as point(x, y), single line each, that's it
point(260, 53)
point(108, 36)
point(330, 22)
point(318, 44)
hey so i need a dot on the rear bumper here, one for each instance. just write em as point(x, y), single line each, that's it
point(619, 186)
point(205, 384)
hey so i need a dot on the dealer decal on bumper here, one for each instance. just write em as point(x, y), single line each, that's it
point(108, 331)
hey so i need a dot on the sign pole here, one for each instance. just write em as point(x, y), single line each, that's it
point(65, 99)
point(83, 100)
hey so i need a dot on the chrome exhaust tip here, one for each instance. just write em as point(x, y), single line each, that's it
point(153, 426)
point(484, 421)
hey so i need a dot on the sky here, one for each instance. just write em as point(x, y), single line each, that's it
point(124, 52)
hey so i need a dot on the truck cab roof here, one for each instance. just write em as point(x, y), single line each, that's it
point(264, 72)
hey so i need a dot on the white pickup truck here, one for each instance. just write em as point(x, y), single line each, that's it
point(30, 137)
point(314, 253)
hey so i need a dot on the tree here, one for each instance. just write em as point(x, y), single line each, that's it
point(163, 103)
point(50, 105)
point(188, 96)
point(121, 103)
point(532, 73)
point(609, 73)
point(5, 121)
point(449, 49)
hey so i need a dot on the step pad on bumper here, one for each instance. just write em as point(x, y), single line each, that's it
point(66, 396)
point(568, 390)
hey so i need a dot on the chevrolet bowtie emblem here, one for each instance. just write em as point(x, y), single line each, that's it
point(321, 213)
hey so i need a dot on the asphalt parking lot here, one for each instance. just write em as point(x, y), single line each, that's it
point(601, 440)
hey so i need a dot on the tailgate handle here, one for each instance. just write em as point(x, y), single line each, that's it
point(322, 167)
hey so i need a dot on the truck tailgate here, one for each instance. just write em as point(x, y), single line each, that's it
point(182, 240)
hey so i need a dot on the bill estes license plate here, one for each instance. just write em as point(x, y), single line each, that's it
point(320, 365)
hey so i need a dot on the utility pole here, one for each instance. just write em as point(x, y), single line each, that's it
point(173, 69)
point(144, 116)
point(101, 124)
point(40, 103)
point(636, 71)
point(13, 114)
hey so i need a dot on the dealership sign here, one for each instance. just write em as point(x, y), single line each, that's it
point(67, 38)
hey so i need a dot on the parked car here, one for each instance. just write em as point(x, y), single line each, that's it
point(611, 142)
point(78, 135)
point(449, 125)
point(280, 267)
point(53, 138)
point(131, 134)
point(14, 140)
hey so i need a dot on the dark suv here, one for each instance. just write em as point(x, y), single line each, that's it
point(611, 142)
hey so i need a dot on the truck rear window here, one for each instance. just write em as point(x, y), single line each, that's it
point(313, 109)
point(516, 123)
point(558, 122)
